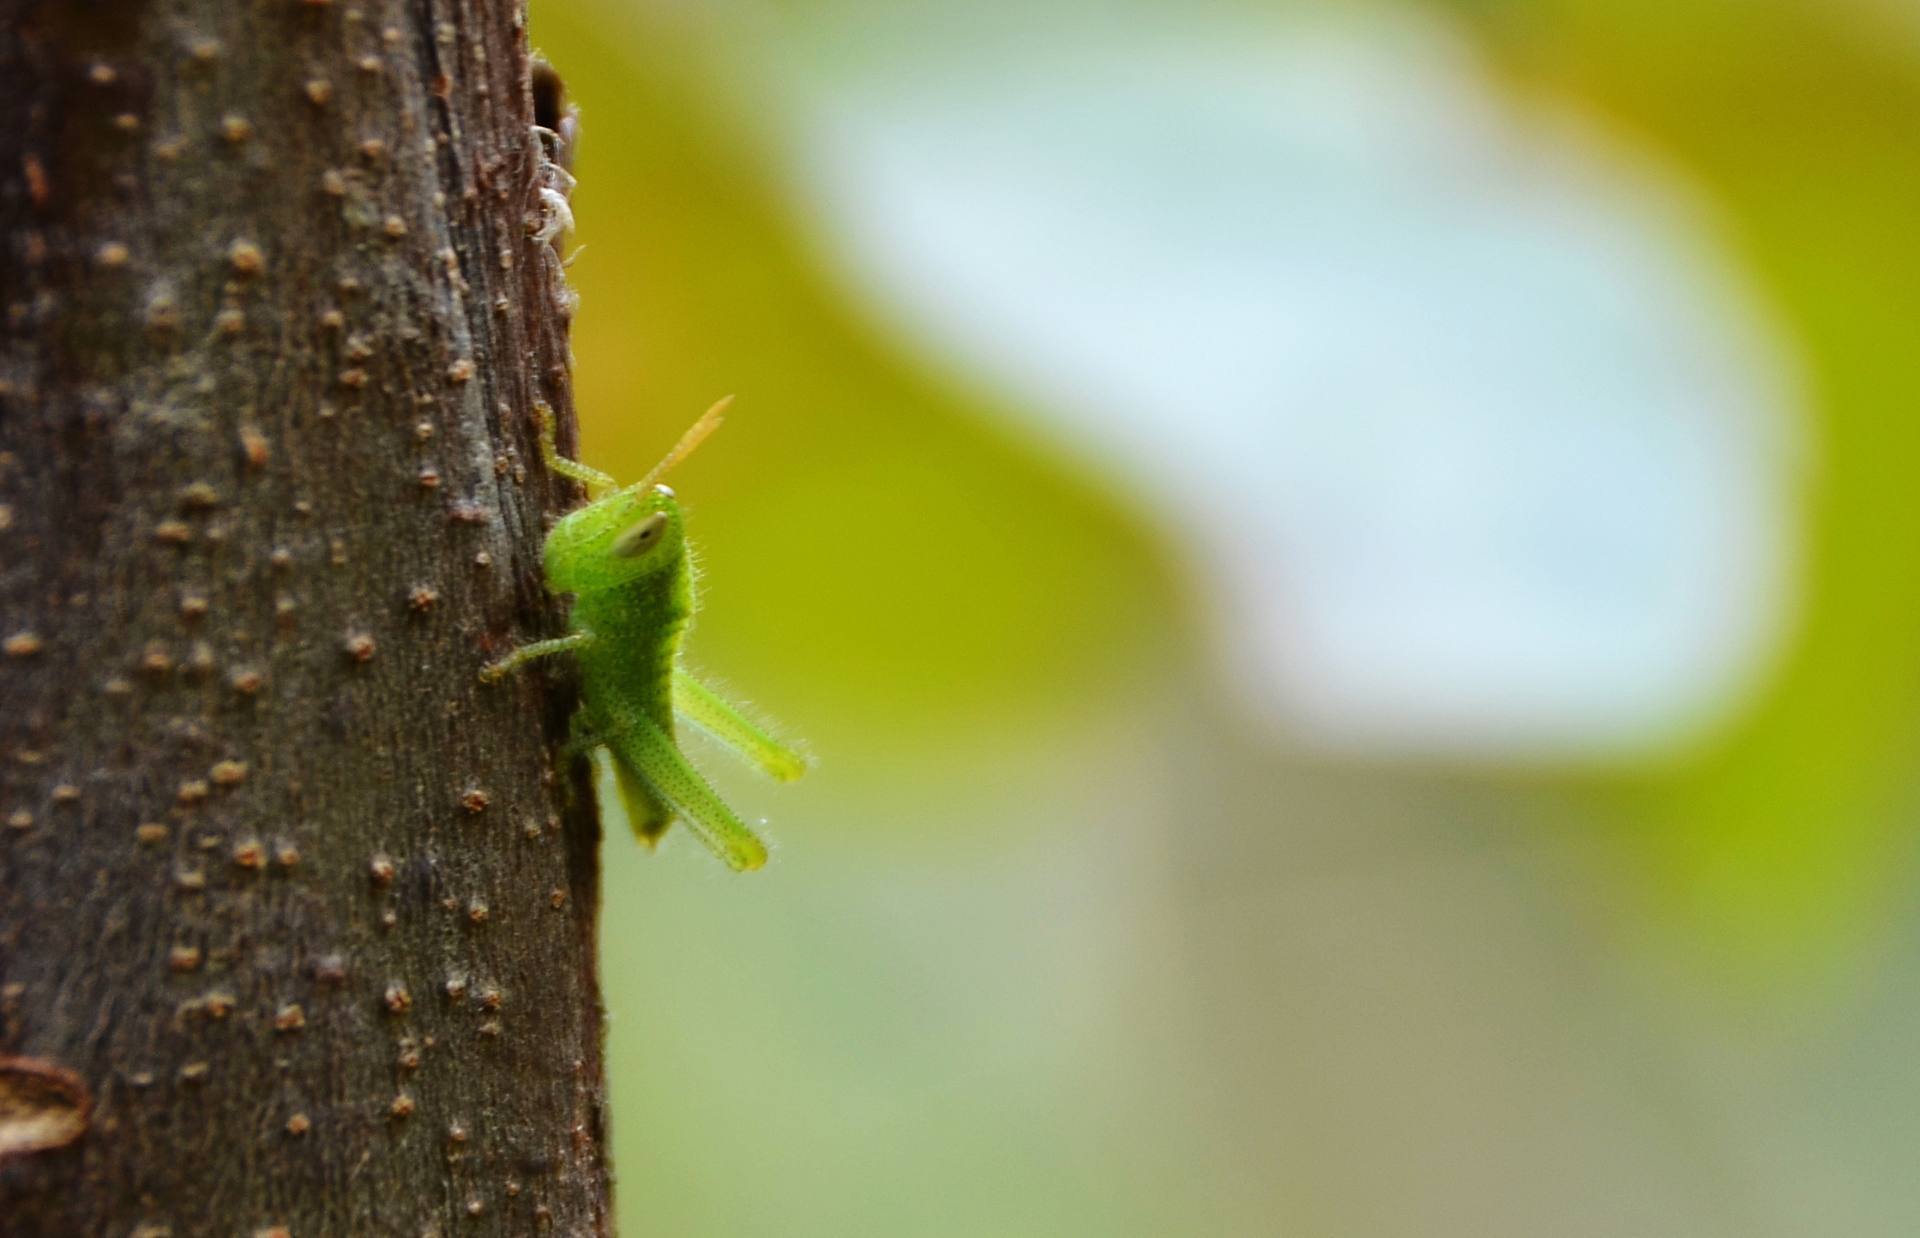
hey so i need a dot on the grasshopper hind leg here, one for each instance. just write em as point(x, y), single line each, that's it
point(645, 755)
point(646, 812)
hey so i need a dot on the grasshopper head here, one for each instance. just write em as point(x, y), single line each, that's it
point(615, 540)
point(631, 533)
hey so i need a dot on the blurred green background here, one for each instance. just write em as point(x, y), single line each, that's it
point(1349, 572)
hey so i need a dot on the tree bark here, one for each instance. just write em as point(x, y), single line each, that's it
point(296, 926)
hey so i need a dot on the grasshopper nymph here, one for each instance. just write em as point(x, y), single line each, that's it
point(623, 557)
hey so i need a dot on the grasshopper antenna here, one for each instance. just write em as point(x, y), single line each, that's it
point(696, 434)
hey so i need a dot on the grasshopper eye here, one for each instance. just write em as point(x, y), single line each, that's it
point(641, 537)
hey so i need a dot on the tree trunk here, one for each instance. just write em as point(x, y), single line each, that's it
point(296, 929)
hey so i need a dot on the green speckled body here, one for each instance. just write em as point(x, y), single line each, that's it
point(639, 619)
point(645, 619)
point(623, 558)
point(637, 622)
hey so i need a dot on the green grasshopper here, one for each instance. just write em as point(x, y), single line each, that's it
point(624, 559)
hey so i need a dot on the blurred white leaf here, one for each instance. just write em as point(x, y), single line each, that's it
point(1475, 440)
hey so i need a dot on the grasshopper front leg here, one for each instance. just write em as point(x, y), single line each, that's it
point(499, 669)
point(596, 482)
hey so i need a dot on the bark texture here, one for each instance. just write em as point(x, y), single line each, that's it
point(296, 929)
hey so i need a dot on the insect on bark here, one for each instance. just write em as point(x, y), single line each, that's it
point(623, 558)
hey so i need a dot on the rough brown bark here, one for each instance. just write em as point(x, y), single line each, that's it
point(296, 931)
